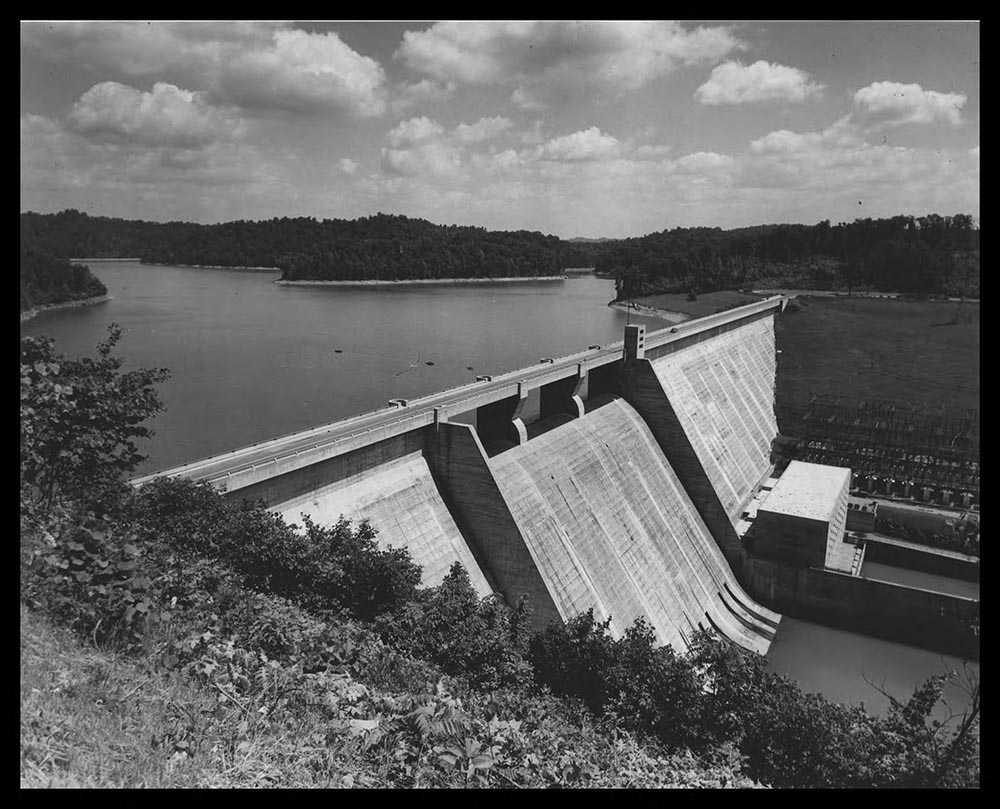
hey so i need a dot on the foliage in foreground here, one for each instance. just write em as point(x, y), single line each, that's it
point(311, 654)
point(80, 420)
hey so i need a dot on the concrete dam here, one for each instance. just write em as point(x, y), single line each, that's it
point(609, 480)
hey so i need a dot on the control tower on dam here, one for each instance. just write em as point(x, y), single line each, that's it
point(608, 480)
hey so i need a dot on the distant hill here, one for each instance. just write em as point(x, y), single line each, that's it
point(382, 247)
point(921, 255)
point(47, 279)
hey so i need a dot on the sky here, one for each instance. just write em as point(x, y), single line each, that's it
point(587, 128)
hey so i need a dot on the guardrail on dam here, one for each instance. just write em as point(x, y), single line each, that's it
point(610, 479)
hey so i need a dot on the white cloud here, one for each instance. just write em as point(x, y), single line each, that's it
point(732, 83)
point(166, 116)
point(483, 129)
point(705, 163)
point(425, 91)
point(56, 161)
point(413, 130)
point(419, 146)
point(347, 165)
point(893, 103)
point(305, 72)
point(653, 151)
point(259, 66)
point(587, 144)
point(554, 60)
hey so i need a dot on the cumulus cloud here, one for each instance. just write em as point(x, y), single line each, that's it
point(839, 158)
point(547, 61)
point(57, 160)
point(483, 129)
point(653, 151)
point(259, 66)
point(894, 103)
point(422, 146)
point(412, 131)
point(305, 72)
point(419, 146)
point(734, 83)
point(587, 144)
point(165, 116)
point(704, 163)
point(348, 166)
point(425, 91)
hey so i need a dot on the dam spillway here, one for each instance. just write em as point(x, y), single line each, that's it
point(400, 497)
point(611, 529)
point(615, 502)
point(723, 394)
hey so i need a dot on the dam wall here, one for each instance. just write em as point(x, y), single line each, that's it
point(459, 461)
point(722, 392)
point(611, 528)
point(388, 483)
point(544, 482)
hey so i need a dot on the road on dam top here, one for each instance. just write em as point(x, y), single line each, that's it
point(421, 412)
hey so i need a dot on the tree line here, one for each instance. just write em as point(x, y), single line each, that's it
point(923, 255)
point(380, 247)
point(47, 279)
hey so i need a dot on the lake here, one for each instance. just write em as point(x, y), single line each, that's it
point(251, 360)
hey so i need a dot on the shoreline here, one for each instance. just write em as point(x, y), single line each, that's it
point(411, 281)
point(650, 311)
point(239, 268)
point(104, 259)
point(28, 314)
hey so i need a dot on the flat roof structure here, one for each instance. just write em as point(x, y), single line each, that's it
point(808, 490)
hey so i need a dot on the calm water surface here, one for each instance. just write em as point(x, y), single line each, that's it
point(251, 360)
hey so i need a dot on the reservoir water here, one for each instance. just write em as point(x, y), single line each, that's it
point(251, 360)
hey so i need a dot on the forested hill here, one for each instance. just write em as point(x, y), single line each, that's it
point(47, 279)
point(376, 247)
point(929, 254)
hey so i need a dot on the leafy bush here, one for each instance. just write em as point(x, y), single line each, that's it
point(645, 687)
point(339, 567)
point(483, 640)
point(95, 579)
point(80, 420)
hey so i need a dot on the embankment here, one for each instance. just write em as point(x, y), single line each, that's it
point(27, 314)
point(421, 281)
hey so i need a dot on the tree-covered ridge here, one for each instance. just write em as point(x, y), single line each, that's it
point(928, 254)
point(48, 279)
point(380, 247)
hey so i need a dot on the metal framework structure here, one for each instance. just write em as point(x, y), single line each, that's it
point(896, 449)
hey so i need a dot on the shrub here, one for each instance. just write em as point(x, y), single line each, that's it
point(80, 420)
point(483, 640)
point(339, 567)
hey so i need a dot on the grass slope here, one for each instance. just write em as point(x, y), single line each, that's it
point(708, 303)
point(877, 349)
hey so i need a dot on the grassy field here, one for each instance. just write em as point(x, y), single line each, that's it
point(708, 303)
point(918, 352)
